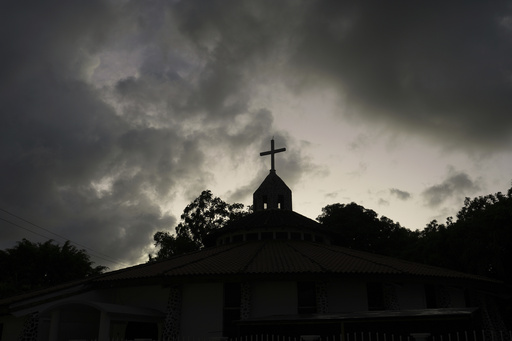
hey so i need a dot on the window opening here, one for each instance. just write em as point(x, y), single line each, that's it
point(280, 201)
point(251, 236)
point(281, 235)
point(375, 292)
point(267, 235)
point(319, 239)
point(141, 330)
point(306, 297)
point(238, 237)
point(430, 296)
point(231, 313)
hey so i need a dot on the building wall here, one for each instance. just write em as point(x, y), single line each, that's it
point(202, 309)
point(78, 322)
point(351, 295)
point(274, 298)
point(411, 295)
point(346, 296)
point(148, 296)
point(202, 304)
point(12, 327)
point(457, 297)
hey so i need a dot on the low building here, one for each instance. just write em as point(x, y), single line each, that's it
point(273, 272)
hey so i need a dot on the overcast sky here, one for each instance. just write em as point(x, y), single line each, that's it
point(116, 114)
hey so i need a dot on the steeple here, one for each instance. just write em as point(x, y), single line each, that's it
point(271, 152)
point(273, 192)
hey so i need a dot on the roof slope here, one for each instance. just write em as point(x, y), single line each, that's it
point(269, 257)
point(272, 193)
point(282, 257)
point(269, 220)
point(274, 219)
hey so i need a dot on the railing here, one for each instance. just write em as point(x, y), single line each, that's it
point(473, 335)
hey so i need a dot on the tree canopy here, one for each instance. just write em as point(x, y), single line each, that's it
point(29, 266)
point(360, 228)
point(203, 215)
point(477, 242)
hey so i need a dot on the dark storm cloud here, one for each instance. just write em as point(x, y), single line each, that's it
point(70, 162)
point(90, 150)
point(402, 195)
point(56, 136)
point(456, 185)
point(91, 164)
point(440, 69)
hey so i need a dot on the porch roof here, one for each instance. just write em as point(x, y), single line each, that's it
point(362, 315)
point(113, 309)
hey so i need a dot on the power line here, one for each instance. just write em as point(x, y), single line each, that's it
point(92, 251)
point(26, 229)
point(98, 254)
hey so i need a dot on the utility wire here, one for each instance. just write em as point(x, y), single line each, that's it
point(26, 229)
point(98, 254)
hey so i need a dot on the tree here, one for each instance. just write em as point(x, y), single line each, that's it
point(203, 215)
point(477, 242)
point(433, 246)
point(360, 228)
point(170, 245)
point(483, 235)
point(29, 266)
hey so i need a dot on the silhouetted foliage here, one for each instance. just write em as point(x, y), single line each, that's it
point(477, 242)
point(203, 215)
point(28, 266)
point(360, 228)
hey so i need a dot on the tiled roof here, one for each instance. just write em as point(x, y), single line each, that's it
point(274, 219)
point(281, 257)
point(269, 220)
point(262, 258)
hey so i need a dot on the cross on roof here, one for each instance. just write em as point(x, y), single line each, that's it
point(272, 151)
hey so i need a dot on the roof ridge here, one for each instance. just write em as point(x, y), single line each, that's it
point(376, 262)
point(158, 263)
point(366, 255)
point(289, 243)
point(222, 249)
point(360, 255)
point(251, 261)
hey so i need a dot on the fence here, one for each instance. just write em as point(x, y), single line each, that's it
point(473, 335)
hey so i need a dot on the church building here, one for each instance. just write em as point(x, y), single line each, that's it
point(274, 273)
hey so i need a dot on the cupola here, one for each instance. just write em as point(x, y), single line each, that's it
point(273, 217)
point(273, 193)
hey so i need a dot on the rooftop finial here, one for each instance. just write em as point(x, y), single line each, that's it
point(272, 151)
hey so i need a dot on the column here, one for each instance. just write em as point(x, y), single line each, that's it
point(104, 330)
point(54, 325)
point(172, 322)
